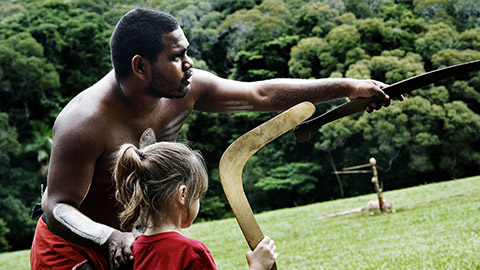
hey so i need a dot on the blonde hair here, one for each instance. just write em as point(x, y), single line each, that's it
point(147, 179)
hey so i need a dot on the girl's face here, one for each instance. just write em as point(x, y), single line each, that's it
point(194, 208)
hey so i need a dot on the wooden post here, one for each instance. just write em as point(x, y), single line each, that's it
point(372, 163)
point(377, 186)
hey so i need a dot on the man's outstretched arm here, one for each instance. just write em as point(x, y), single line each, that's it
point(216, 94)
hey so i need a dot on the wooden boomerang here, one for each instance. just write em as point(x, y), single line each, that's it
point(237, 154)
point(302, 131)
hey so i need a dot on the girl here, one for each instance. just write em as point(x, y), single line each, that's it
point(162, 186)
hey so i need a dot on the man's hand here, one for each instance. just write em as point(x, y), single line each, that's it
point(263, 256)
point(371, 88)
point(119, 248)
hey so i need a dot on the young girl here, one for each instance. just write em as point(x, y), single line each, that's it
point(162, 185)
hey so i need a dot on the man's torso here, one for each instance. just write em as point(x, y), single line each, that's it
point(97, 109)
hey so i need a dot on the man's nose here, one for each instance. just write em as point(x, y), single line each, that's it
point(188, 64)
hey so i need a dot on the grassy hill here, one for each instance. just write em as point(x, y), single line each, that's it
point(434, 226)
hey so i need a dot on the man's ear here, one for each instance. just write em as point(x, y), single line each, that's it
point(140, 67)
point(182, 195)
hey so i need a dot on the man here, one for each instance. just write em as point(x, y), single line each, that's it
point(153, 85)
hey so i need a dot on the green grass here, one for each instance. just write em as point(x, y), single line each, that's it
point(15, 260)
point(435, 226)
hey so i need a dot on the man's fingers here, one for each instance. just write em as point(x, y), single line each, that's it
point(127, 252)
point(120, 249)
point(379, 84)
point(382, 95)
point(379, 92)
point(123, 256)
point(382, 85)
point(115, 263)
point(378, 105)
point(120, 258)
point(385, 99)
point(387, 103)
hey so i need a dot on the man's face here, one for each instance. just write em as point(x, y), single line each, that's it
point(172, 72)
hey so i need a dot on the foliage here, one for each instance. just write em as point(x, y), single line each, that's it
point(8, 136)
point(294, 180)
point(17, 191)
point(317, 18)
point(41, 145)
point(4, 246)
point(17, 218)
point(52, 50)
point(304, 62)
point(26, 79)
point(439, 36)
point(46, 57)
point(427, 138)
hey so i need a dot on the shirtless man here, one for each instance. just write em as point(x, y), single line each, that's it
point(153, 85)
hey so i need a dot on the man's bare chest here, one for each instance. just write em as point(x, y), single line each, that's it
point(167, 128)
point(164, 126)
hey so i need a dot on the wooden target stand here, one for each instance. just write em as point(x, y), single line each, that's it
point(354, 170)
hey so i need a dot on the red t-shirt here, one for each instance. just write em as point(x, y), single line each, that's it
point(171, 250)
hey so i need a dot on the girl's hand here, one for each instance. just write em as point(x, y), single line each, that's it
point(263, 256)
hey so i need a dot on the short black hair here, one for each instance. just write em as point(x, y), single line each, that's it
point(140, 31)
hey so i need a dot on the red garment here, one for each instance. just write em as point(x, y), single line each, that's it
point(171, 251)
point(50, 251)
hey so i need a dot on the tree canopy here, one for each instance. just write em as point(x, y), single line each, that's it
point(52, 50)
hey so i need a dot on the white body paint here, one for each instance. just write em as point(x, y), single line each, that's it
point(172, 128)
point(237, 105)
point(81, 225)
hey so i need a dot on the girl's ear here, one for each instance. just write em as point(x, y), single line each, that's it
point(182, 195)
point(140, 67)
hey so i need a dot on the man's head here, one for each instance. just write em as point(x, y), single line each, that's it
point(139, 32)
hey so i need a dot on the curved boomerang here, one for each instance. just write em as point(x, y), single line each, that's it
point(237, 154)
point(302, 131)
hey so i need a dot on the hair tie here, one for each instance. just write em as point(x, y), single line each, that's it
point(141, 154)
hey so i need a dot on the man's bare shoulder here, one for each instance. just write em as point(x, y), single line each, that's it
point(203, 80)
point(86, 112)
point(81, 112)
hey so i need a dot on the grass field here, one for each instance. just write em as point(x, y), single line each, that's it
point(434, 226)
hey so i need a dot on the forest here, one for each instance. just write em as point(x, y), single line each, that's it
point(52, 50)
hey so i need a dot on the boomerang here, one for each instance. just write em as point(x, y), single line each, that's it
point(302, 131)
point(237, 154)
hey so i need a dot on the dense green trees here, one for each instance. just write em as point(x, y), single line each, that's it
point(52, 50)
point(47, 55)
point(20, 190)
